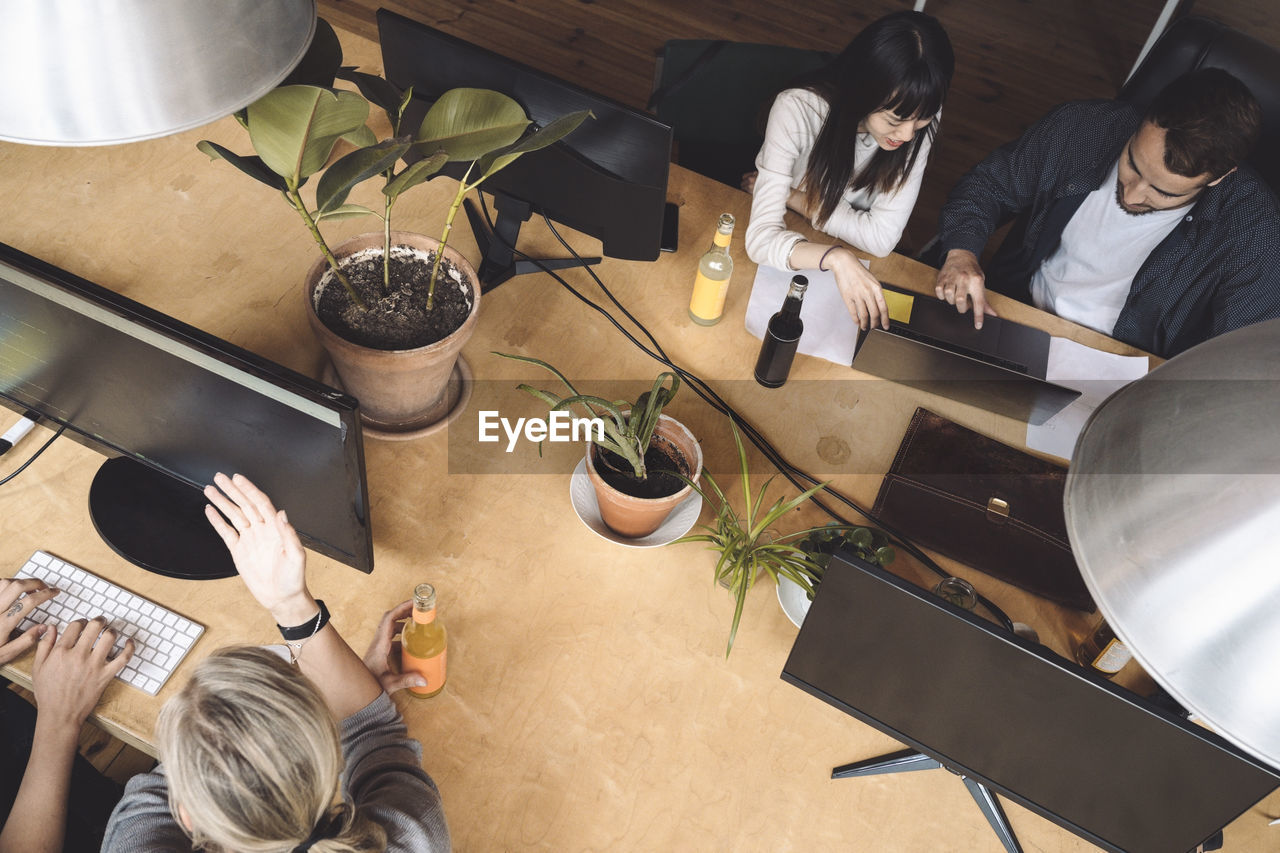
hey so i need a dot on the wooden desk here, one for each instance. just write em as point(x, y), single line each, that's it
point(589, 703)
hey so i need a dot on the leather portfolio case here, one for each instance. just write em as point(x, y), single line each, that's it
point(985, 504)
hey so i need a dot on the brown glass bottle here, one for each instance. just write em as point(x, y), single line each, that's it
point(1102, 650)
point(782, 337)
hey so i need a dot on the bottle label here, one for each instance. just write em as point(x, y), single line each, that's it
point(708, 297)
point(1113, 658)
point(722, 240)
point(433, 669)
point(424, 617)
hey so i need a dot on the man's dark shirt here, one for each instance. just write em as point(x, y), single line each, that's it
point(1218, 270)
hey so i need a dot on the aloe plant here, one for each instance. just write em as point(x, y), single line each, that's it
point(746, 542)
point(293, 130)
point(628, 427)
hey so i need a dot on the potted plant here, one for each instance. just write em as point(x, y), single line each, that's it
point(748, 544)
point(643, 463)
point(393, 335)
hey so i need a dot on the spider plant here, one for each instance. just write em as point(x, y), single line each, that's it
point(628, 427)
point(748, 546)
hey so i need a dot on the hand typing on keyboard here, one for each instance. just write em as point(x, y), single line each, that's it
point(18, 597)
point(161, 637)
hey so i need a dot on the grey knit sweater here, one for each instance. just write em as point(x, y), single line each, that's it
point(383, 777)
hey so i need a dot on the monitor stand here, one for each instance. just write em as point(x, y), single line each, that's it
point(908, 760)
point(498, 261)
point(156, 521)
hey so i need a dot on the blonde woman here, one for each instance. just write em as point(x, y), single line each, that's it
point(258, 756)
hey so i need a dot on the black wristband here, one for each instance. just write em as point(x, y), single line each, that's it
point(309, 628)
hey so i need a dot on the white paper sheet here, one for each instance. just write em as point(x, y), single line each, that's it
point(1096, 375)
point(830, 331)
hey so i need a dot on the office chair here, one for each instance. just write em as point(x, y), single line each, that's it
point(716, 97)
point(1195, 42)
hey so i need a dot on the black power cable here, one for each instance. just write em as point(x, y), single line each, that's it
point(35, 455)
point(797, 477)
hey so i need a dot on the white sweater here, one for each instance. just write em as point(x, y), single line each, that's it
point(873, 224)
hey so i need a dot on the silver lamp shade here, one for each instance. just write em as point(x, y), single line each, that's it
point(1173, 510)
point(99, 72)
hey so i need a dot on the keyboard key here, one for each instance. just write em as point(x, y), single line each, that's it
point(83, 595)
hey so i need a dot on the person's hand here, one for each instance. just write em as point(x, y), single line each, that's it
point(70, 673)
point(749, 181)
point(265, 547)
point(861, 291)
point(14, 607)
point(382, 657)
point(961, 283)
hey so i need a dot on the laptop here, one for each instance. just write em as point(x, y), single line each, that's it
point(931, 346)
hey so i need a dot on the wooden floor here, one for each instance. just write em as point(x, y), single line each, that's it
point(1015, 58)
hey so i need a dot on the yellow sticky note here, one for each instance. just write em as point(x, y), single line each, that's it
point(899, 305)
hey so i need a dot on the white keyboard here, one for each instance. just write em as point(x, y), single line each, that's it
point(161, 638)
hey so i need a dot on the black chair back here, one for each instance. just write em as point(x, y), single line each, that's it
point(1195, 42)
point(716, 97)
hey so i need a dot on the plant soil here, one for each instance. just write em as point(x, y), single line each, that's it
point(398, 319)
point(660, 460)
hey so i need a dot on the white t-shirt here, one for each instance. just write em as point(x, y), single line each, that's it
point(1087, 279)
point(871, 223)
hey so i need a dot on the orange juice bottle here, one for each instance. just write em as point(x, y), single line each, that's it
point(715, 268)
point(424, 645)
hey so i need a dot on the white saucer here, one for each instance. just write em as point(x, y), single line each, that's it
point(583, 497)
point(795, 603)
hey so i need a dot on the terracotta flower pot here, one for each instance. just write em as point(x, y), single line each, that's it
point(398, 390)
point(635, 517)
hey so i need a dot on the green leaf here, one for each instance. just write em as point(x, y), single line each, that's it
point(469, 123)
point(251, 166)
point(346, 211)
point(320, 64)
point(339, 179)
point(414, 175)
point(378, 91)
point(294, 128)
point(543, 365)
point(361, 137)
point(541, 138)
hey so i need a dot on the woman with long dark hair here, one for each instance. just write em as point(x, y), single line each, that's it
point(846, 147)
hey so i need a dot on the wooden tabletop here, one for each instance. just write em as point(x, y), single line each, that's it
point(589, 703)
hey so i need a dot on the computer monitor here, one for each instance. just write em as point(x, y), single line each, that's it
point(170, 406)
point(608, 178)
point(1066, 743)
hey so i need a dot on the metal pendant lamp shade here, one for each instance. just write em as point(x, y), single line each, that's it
point(1173, 510)
point(100, 72)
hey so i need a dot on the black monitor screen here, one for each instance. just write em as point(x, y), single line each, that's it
point(172, 405)
point(608, 178)
point(1089, 755)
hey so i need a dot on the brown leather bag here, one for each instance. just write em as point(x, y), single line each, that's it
point(985, 504)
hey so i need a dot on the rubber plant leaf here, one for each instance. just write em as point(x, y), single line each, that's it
point(540, 138)
point(294, 128)
point(251, 166)
point(415, 174)
point(346, 211)
point(469, 123)
point(377, 91)
point(321, 63)
point(338, 180)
